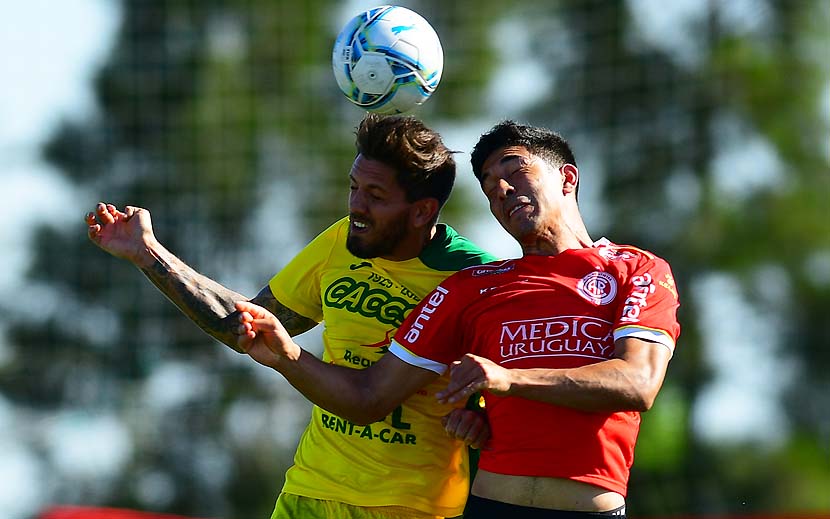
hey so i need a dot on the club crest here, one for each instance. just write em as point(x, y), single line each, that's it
point(598, 287)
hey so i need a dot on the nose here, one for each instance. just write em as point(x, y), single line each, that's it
point(357, 201)
point(504, 189)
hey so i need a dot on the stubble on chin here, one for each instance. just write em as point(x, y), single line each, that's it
point(355, 246)
point(364, 249)
point(385, 239)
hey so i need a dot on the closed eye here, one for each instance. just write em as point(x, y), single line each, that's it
point(491, 182)
point(372, 193)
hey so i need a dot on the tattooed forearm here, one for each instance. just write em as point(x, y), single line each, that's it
point(204, 301)
point(211, 305)
point(293, 322)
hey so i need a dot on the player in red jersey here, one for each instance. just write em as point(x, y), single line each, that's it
point(568, 343)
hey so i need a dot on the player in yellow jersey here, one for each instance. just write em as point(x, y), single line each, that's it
point(360, 277)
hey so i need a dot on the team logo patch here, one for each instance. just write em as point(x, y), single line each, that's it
point(598, 287)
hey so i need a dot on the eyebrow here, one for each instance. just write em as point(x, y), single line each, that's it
point(502, 161)
point(372, 186)
point(512, 156)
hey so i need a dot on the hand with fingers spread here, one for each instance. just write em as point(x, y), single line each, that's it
point(467, 425)
point(262, 336)
point(473, 374)
point(124, 234)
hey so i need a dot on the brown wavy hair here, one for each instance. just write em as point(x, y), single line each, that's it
point(424, 166)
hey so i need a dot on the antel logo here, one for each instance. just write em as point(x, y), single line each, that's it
point(427, 309)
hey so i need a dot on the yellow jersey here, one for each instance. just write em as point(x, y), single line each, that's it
point(406, 459)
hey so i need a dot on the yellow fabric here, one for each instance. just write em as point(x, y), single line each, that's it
point(407, 459)
point(290, 506)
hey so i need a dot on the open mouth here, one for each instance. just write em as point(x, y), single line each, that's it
point(359, 225)
point(515, 209)
point(520, 203)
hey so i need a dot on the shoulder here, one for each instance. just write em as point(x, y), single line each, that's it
point(628, 254)
point(334, 234)
point(472, 278)
point(326, 248)
point(638, 266)
point(450, 251)
point(338, 231)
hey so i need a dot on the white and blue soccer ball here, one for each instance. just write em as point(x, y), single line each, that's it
point(387, 60)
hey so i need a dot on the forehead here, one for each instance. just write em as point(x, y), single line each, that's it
point(505, 156)
point(373, 172)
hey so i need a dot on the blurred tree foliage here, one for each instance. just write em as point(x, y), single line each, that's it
point(221, 117)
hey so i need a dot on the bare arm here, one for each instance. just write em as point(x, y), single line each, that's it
point(129, 235)
point(360, 395)
point(211, 305)
point(628, 382)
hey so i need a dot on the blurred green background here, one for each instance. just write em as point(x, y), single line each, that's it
point(702, 131)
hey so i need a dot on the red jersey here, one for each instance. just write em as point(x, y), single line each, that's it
point(558, 311)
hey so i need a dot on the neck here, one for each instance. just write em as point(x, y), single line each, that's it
point(413, 246)
point(565, 236)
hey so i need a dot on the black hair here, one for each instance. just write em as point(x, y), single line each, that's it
point(544, 143)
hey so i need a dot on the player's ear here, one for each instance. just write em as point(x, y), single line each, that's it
point(424, 212)
point(570, 178)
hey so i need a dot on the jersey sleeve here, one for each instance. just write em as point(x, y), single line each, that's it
point(431, 335)
point(649, 305)
point(297, 285)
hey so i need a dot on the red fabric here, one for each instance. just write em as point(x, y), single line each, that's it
point(84, 512)
point(550, 312)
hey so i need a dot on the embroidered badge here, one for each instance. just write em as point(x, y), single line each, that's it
point(598, 287)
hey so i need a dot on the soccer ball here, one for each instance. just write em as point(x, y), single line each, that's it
point(387, 60)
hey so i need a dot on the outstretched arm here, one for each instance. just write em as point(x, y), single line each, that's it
point(628, 382)
point(360, 395)
point(129, 235)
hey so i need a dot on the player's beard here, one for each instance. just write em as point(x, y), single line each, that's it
point(382, 240)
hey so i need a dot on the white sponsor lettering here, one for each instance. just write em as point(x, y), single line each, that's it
point(554, 346)
point(637, 299)
point(492, 269)
point(427, 309)
point(561, 335)
point(614, 254)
